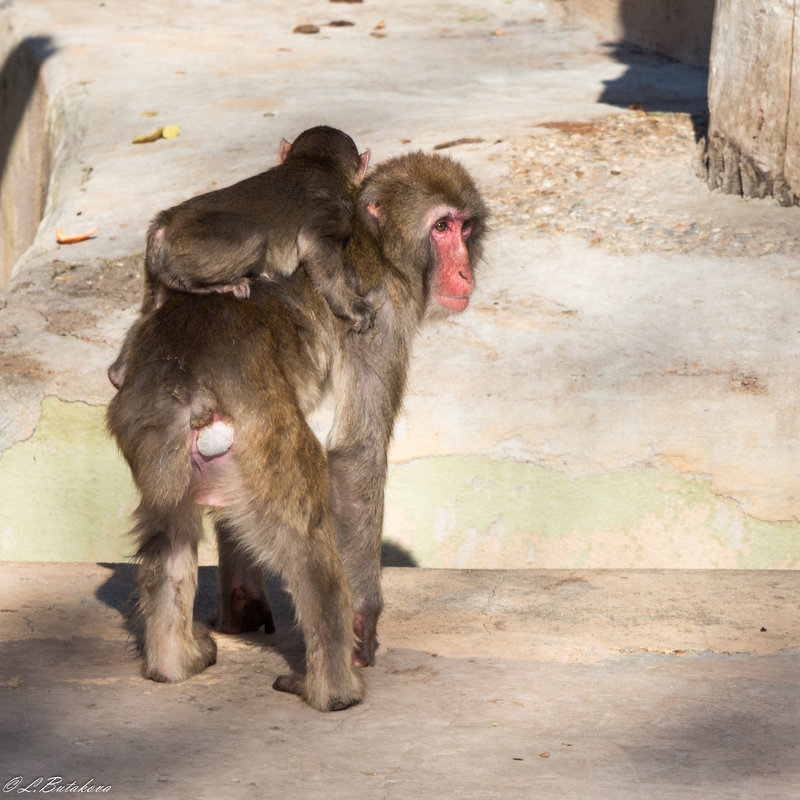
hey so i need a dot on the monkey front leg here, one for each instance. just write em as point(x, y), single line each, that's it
point(357, 476)
point(243, 602)
point(368, 377)
point(174, 646)
point(322, 259)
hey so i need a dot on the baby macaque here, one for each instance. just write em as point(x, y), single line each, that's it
point(300, 212)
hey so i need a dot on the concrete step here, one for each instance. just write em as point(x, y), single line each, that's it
point(512, 684)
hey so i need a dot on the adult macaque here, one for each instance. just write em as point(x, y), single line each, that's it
point(212, 411)
point(300, 211)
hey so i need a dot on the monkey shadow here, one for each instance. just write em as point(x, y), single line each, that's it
point(118, 591)
point(393, 555)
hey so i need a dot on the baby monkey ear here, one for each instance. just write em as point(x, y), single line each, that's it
point(364, 159)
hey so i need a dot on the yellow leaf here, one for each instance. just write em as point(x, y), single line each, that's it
point(149, 137)
point(167, 132)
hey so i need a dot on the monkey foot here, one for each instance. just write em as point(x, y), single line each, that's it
point(197, 655)
point(363, 657)
point(291, 683)
point(362, 317)
point(296, 684)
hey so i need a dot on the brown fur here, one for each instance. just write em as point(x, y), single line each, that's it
point(300, 211)
point(263, 365)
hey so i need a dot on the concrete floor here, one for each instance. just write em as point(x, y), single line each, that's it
point(509, 684)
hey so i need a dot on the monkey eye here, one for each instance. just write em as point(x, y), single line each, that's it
point(466, 229)
point(441, 225)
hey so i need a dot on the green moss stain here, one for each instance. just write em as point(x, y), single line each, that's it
point(66, 492)
point(473, 511)
point(66, 495)
point(770, 545)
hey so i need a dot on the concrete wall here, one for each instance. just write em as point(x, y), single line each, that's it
point(632, 403)
point(69, 496)
point(680, 29)
point(23, 144)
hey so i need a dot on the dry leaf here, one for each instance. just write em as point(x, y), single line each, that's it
point(149, 137)
point(71, 238)
point(148, 113)
point(167, 132)
point(380, 25)
point(456, 142)
point(306, 29)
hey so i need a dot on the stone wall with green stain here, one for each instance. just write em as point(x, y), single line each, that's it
point(475, 511)
point(66, 492)
point(67, 495)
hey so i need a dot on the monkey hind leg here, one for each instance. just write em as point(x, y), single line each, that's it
point(243, 602)
point(175, 647)
point(154, 427)
point(204, 252)
point(313, 572)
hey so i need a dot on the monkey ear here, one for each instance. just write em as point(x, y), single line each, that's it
point(286, 146)
point(374, 208)
point(364, 158)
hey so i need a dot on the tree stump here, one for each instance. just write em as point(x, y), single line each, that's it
point(752, 146)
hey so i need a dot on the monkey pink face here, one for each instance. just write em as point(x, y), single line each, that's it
point(454, 281)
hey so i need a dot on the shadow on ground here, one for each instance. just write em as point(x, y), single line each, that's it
point(654, 82)
point(119, 592)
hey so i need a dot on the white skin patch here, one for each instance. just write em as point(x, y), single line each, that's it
point(215, 439)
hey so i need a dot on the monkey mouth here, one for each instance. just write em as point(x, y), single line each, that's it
point(452, 302)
